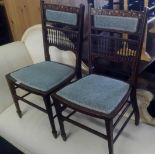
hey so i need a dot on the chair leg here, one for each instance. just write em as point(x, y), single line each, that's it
point(109, 129)
point(60, 119)
point(135, 106)
point(47, 102)
point(16, 102)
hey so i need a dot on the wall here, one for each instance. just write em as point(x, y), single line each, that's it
point(25, 13)
point(21, 15)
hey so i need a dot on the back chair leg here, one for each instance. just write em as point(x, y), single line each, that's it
point(109, 128)
point(135, 106)
point(47, 102)
point(16, 102)
point(60, 119)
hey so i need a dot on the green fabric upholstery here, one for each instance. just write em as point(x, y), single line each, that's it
point(43, 76)
point(61, 17)
point(128, 24)
point(96, 92)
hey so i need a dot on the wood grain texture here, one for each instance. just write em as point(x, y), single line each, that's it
point(21, 15)
point(152, 30)
point(1, 2)
point(25, 13)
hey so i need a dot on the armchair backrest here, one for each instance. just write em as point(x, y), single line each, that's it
point(116, 36)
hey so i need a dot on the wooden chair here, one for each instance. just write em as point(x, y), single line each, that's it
point(101, 96)
point(62, 28)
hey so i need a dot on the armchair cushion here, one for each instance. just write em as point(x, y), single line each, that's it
point(96, 92)
point(43, 76)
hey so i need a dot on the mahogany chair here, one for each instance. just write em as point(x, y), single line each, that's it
point(101, 96)
point(62, 28)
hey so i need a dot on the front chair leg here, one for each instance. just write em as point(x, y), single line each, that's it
point(18, 108)
point(60, 119)
point(135, 106)
point(109, 129)
point(47, 102)
point(16, 102)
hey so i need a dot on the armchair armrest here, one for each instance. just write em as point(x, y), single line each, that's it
point(12, 57)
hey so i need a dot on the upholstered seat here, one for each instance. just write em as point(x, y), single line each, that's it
point(96, 92)
point(42, 76)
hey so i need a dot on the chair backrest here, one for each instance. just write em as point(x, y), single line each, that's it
point(63, 28)
point(116, 36)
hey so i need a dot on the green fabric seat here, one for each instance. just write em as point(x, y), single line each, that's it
point(128, 24)
point(96, 92)
point(42, 76)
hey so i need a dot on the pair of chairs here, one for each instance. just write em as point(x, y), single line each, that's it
point(95, 95)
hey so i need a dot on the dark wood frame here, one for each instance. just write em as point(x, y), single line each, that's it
point(130, 97)
point(78, 30)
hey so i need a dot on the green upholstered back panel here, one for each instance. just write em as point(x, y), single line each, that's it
point(128, 24)
point(61, 17)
